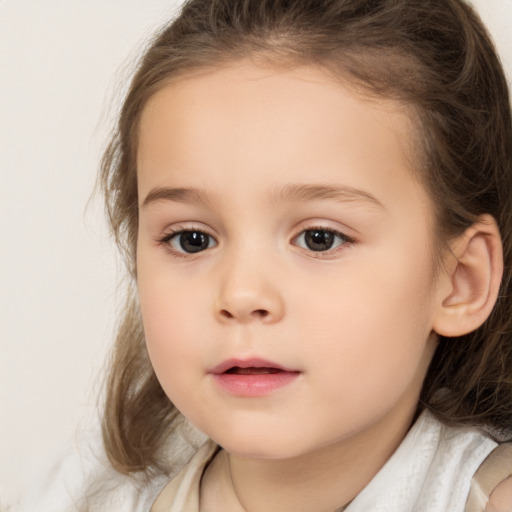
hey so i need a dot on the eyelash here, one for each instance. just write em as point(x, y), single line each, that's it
point(168, 238)
point(343, 240)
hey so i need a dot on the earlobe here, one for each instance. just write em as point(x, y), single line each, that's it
point(471, 282)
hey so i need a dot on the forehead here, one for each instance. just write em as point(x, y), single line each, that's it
point(244, 87)
point(244, 123)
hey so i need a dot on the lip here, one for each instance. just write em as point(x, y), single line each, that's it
point(264, 377)
point(248, 363)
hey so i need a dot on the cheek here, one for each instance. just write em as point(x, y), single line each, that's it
point(170, 314)
point(372, 327)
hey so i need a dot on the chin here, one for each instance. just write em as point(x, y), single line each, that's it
point(262, 445)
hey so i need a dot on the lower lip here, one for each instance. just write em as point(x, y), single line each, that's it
point(254, 385)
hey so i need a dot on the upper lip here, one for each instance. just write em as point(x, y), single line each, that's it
point(248, 363)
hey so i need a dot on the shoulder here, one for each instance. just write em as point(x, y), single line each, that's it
point(454, 456)
point(492, 482)
point(501, 498)
point(182, 492)
point(79, 478)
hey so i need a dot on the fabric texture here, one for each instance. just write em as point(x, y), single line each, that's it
point(430, 471)
point(182, 493)
point(82, 480)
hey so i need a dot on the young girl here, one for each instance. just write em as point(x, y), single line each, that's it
point(314, 202)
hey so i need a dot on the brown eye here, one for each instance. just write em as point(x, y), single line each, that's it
point(319, 240)
point(191, 241)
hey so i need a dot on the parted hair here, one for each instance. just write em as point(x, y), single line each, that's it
point(437, 58)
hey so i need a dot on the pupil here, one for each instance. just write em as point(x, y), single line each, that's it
point(193, 241)
point(319, 240)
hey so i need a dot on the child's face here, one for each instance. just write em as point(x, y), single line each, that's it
point(281, 226)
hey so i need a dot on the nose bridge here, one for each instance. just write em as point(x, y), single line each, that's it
point(248, 285)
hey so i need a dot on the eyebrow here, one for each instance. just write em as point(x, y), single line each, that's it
point(181, 195)
point(307, 192)
point(289, 193)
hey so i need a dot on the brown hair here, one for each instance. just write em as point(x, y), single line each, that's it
point(433, 55)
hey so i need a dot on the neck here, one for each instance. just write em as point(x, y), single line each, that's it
point(292, 485)
point(325, 480)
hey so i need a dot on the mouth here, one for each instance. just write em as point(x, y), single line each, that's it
point(250, 367)
point(252, 378)
point(236, 370)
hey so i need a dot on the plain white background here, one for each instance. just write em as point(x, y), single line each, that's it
point(61, 63)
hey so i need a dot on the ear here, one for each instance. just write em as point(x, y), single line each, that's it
point(470, 283)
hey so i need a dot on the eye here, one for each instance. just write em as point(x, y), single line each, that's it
point(190, 241)
point(320, 239)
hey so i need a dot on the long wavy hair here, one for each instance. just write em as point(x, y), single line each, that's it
point(437, 58)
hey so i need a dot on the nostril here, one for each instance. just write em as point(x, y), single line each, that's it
point(262, 313)
point(257, 313)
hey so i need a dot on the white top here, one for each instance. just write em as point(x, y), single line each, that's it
point(430, 471)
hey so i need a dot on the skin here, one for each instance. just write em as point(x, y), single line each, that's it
point(356, 321)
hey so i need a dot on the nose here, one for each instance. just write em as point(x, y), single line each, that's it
point(249, 291)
